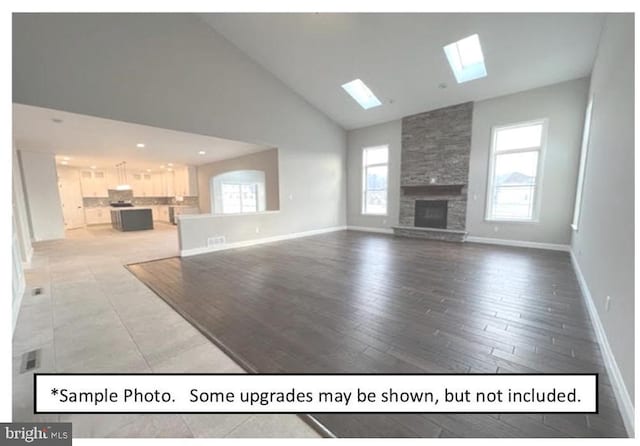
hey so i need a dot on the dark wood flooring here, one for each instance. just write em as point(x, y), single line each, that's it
point(358, 302)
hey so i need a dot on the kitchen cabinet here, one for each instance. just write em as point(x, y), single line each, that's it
point(93, 183)
point(158, 188)
point(141, 184)
point(97, 215)
point(185, 182)
point(163, 213)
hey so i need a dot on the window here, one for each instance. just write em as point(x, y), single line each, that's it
point(514, 171)
point(359, 91)
point(239, 198)
point(374, 180)
point(466, 59)
point(583, 165)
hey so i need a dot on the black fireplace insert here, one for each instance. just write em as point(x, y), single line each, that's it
point(431, 214)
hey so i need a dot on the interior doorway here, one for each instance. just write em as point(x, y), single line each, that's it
point(71, 198)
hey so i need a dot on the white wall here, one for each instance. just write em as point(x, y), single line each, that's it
point(389, 134)
point(603, 246)
point(564, 105)
point(41, 189)
point(20, 211)
point(173, 71)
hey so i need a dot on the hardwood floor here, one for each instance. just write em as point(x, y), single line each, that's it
point(359, 302)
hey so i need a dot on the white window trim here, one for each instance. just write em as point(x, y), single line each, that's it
point(240, 185)
point(584, 152)
point(537, 198)
point(363, 191)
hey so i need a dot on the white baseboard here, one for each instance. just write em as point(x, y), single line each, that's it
point(368, 229)
point(259, 241)
point(518, 243)
point(624, 400)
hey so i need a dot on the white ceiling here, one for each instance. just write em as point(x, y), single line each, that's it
point(88, 141)
point(400, 56)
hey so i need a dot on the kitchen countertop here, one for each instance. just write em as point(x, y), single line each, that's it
point(132, 208)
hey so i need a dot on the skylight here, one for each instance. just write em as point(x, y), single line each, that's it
point(361, 93)
point(466, 59)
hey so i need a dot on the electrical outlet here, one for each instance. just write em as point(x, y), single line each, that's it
point(290, 196)
point(496, 229)
point(257, 229)
point(607, 303)
point(384, 221)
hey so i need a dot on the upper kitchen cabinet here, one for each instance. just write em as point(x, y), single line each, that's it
point(142, 184)
point(94, 183)
point(185, 182)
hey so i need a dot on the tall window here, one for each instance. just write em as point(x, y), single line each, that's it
point(583, 165)
point(375, 161)
point(239, 198)
point(514, 171)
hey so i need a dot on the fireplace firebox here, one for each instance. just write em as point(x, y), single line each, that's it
point(431, 214)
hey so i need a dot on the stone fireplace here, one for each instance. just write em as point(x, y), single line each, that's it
point(434, 173)
point(430, 214)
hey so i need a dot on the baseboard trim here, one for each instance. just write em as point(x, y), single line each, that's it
point(518, 243)
point(369, 229)
point(259, 241)
point(624, 400)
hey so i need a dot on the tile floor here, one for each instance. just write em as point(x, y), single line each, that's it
point(95, 316)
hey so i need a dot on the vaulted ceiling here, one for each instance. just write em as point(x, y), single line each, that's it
point(400, 56)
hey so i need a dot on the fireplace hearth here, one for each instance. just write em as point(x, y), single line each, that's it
point(431, 214)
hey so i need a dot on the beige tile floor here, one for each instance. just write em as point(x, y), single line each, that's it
point(94, 316)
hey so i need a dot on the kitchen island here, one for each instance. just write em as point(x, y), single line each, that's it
point(131, 218)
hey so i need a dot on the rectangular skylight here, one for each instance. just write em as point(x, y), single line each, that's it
point(466, 59)
point(361, 93)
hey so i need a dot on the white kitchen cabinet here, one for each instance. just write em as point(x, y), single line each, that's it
point(169, 184)
point(158, 188)
point(141, 184)
point(111, 179)
point(93, 183)
point(186, 182)
point(163, 213)
point(97, 215)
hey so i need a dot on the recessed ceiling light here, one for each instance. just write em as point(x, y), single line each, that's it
point(162, 167)
point(170, 169)
point(466, 59)
point(170, 164)
point(64, 162)
point(66, 158)
point(202, 152)
point(361, 93)
point(140, 145)
point(148, 170)
point(93, 167)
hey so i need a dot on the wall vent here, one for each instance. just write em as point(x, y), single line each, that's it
point(216, 241)
point(30, 361)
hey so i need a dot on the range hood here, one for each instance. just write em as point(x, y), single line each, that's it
point(122, 176)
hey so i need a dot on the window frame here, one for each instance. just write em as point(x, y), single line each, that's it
point(537, 189)
point(239, 185)
point(364, 190)
point(584, 154)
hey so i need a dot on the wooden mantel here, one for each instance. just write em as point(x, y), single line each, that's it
point(433, 189)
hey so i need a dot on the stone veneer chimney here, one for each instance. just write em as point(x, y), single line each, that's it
point(435, 166)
